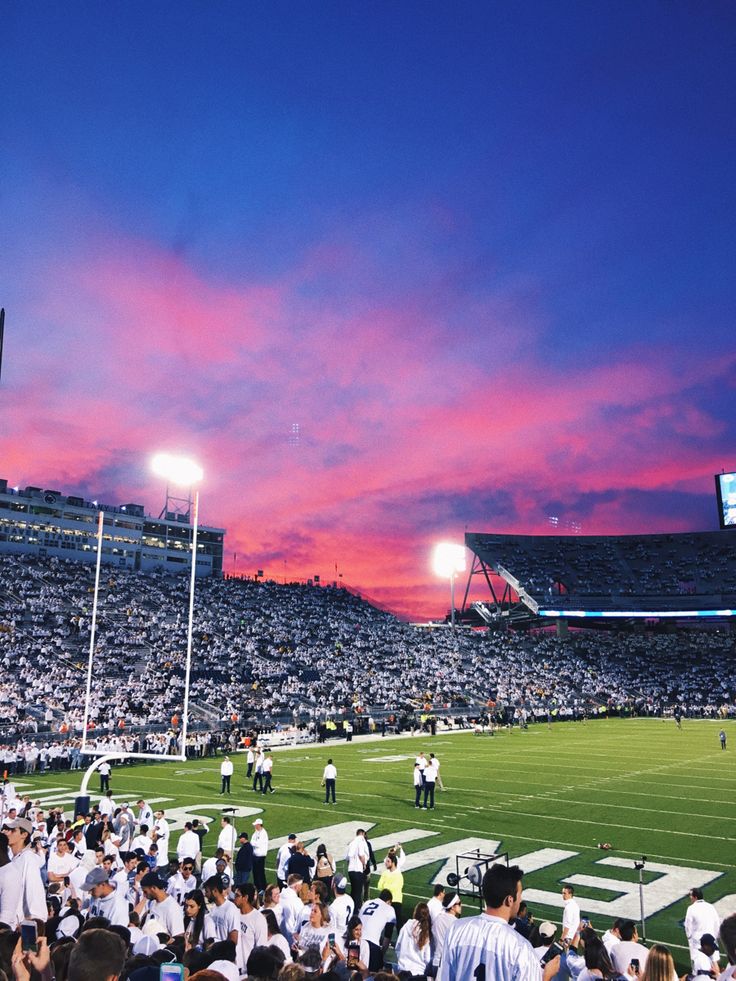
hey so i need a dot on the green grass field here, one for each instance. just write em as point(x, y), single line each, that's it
point(547, 796)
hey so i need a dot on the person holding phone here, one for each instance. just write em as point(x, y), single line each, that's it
point(317, 930)
point(32, 956)
point(358, 951)
point(628, 948)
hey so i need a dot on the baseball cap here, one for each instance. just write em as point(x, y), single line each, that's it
point(340, 883)
point(22, 824)
point(547, 930)
point(95, 878)
point(257, 821)
point(227, 969)
point(147, 946)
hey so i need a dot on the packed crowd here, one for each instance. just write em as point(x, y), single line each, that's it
point(303, 654)
point(627, 565)
point(111, 895)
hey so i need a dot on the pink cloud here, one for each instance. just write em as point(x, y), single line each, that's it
point(392, 410)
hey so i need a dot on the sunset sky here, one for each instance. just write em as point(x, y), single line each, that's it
point(482, 255)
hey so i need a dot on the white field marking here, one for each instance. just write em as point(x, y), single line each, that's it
point(548, 817)
point(556, 798)
point(641, 793)
point(725, 906)
point(434, 822)
point(532, 862)
point(47, 802)
point(674, 883)
point(650, 940)
point(337, 837)
point(387, 759)
point(178, 816)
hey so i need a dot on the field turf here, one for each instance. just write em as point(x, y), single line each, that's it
point(548, 794)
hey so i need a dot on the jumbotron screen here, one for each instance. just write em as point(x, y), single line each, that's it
point(726, 494)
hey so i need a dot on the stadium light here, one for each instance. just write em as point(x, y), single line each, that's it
point(184, 472)
point(448, 559)
point(179, 470)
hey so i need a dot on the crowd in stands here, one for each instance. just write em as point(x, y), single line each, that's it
point(625, 565)
point(111, 895)
point(303, 654)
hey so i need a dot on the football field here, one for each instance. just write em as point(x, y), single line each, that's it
point(546, 796)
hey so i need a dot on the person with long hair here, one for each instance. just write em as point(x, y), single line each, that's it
point(325, 867)
point(358, 952)
point(272, 901)
point(595, 956)
point(195, 911)
point(275, 936)
point(315, 933)
point(414, 944)
point(660, 965)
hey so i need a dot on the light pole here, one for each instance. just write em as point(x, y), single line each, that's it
point(449, 559)
point(184, 473)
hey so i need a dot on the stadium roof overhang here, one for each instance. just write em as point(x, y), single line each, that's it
point(511, 598)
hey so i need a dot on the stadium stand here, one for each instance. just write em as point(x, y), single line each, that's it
point(666, 572)
point(267, 653)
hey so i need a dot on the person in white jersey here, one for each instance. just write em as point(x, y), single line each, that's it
point(484, 947)
point(378, 918)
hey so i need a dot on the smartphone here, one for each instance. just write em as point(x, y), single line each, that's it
point(635, 965)
point(584, 923)
point(171, 972)
point(29, 936)
point(555, 950)
point(331, 939)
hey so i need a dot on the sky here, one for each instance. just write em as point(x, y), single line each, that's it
point(388, 271)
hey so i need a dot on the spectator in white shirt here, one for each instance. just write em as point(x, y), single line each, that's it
point(188, 844)
point(33, 897)
point(224, 915)
point(163, 909)
point(488, 940)
point(435, 903)
point(329, 779)
point(701, 917)
point(259, 841)
point(570, 914)
point(628, 948)
point(357, 858)
point(227, 838)
point(291, 906)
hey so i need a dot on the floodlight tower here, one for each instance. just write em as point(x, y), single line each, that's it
point(448, 560)
point(181, 472)
point(185, 473)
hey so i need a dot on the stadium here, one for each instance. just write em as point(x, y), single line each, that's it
point(366, 608)
point(589, 757)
